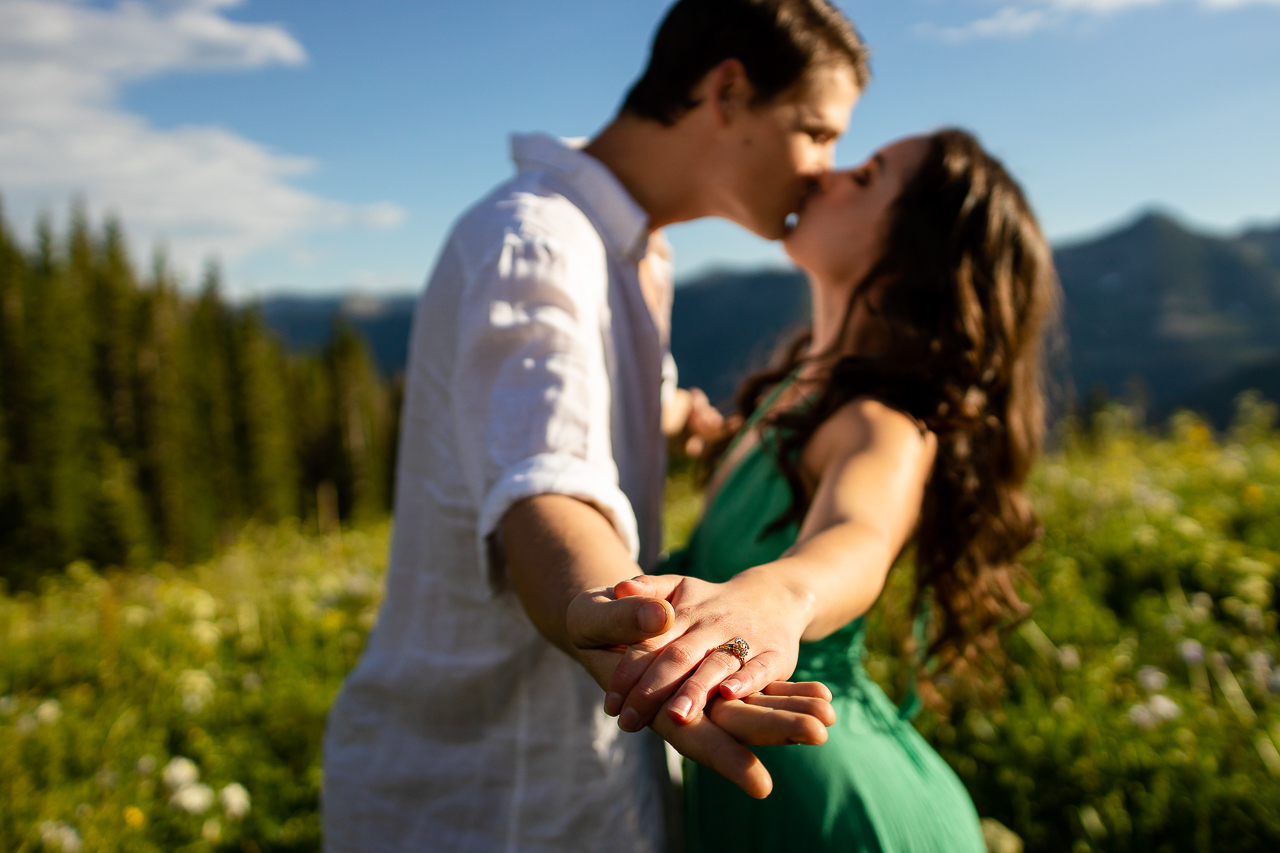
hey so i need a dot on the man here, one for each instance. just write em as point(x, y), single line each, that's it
point(532, 455)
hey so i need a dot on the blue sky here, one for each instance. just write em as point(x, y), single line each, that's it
point(320, 146)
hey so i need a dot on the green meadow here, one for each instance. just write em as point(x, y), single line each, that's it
point(163, 708)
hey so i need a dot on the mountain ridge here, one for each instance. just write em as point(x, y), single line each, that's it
point(1152, 309)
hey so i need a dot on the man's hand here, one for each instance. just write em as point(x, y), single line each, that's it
point(680, 665)
point(689, 415)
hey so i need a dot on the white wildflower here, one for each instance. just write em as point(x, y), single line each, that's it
point(235, 800)
point(1061, 706)
point(195, 798)
point(1164, 707)
point(1146, 536)
point(1189, 528)
point(1069, 658)
point(212, 830)
point(48, 712)
point(206, 633)
point(202, 605)
point(135, 615)
point(1152, 679)
point(1143, 717)
point(106, 777)
point(196, 689)
point(1192, 652)
point(180, 772)
point(146, 765)
point(58, 835)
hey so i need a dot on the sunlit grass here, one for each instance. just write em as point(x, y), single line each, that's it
point(1141, 713)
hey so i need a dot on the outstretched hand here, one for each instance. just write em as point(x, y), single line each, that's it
point(718, 733)
point(681, 668)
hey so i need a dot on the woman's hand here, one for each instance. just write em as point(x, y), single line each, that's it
point(681, 667)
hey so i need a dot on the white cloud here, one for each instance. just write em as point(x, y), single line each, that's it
point(202, 189)
point(1025, 17)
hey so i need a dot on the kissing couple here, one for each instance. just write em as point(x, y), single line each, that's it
point(535, 644)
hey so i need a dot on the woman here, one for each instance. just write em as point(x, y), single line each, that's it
point(911, 414)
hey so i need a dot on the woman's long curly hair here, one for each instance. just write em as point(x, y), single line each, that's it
point(959, 301)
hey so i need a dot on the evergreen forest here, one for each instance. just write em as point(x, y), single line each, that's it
point(140, 423)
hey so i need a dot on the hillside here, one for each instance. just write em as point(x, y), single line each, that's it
point(1153, 309)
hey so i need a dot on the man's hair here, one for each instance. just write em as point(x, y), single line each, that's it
point(778, 42)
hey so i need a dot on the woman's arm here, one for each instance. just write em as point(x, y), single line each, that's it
point(868, 466)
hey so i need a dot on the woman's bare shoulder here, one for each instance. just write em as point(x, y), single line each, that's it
point(866, 425)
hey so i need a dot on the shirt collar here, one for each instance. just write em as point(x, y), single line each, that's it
point(622, 222)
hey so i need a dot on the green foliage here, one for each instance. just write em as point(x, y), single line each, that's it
point(1151, 543)
point(140, 423)
point(231, 665)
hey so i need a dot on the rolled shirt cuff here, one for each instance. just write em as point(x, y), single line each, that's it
point(552, 474)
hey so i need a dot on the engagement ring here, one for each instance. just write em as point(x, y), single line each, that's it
point(737, 647)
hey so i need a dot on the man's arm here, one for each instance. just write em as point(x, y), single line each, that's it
point(557, 547)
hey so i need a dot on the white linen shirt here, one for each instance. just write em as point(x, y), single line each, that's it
point(536, 366)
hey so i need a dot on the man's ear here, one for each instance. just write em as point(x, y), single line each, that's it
point(727, 91)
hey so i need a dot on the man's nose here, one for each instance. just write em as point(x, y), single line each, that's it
point(821, 182)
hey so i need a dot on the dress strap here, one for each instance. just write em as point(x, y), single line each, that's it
point(911, 703)
point(761, 409)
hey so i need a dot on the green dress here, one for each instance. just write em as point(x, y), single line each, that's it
point(875, 785)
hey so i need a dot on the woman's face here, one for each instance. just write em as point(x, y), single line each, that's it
point(841, 227)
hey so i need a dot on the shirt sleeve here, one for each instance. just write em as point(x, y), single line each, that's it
point(531, 387)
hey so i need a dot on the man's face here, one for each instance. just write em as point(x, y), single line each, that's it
point(776, 151)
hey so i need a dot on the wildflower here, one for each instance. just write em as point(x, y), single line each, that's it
point(212, 829)
point(206, 633)
point(146, 765)
point(180, 772)
point(135, 615)
point(1146, 536)
point(1069, 658)
point(1143, 717)
point(57, 835)
point(193, 798)
point(196, 689)
point(1061, 706)
point(48, 712)
point(134, 818)
point(1092, 822)
point(1164, 707)
point(235, 800)
point(1152, 679)
point(106, 778)
point(1201, 607)
point(202, 605)
point(1188, 527)
point(1192, 652)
